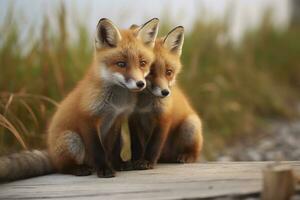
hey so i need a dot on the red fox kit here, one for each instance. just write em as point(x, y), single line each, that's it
point(105, 95)
point(81, 134)
point(164, 126)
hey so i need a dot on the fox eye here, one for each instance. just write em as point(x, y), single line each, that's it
point(143, 63)
point(121, 64)
point(169, 72)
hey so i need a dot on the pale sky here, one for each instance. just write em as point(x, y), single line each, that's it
point(246, 13)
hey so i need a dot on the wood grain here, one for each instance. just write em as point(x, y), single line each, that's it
point(172, 181)
point(278, 183)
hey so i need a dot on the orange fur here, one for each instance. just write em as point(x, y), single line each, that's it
point(79, 130)
point(165, 128)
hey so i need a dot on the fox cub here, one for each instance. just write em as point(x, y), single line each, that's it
point(81, 135)
point(84, 131)
point(163, 125)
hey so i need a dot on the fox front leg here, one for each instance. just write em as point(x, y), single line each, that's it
point(141, 129)
point(108, 132)
point(98, 156)
point(154, 147)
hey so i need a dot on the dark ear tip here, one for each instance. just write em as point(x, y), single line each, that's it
point(134, 26)
point(103, 20)
point(152, 20)
point(156, 19)
point(179, 28)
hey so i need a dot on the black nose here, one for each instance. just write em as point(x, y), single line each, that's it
point(165, 92)
point(140, 84)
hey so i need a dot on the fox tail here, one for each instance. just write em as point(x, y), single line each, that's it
point(25, 164)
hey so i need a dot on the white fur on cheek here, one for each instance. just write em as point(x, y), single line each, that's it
point(172, 82)
point(105, 73)
point(110, 77)
point(156, 91)
point(131, 84)
point(146, 74)
point(118, 78)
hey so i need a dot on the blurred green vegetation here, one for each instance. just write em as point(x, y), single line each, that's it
point(234, 87)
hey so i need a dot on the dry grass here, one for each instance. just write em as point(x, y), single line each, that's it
point(233, 88)
point(25, 117)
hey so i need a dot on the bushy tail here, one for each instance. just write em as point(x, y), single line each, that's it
point(24, 165)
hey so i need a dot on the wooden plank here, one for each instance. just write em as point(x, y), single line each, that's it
point(279, 182)
point(172, 181)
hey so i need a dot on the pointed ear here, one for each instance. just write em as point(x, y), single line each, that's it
point(133, 27)
point(174, 40)
point(107, 34)
point(148, 32)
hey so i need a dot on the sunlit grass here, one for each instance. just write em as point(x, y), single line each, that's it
point(234, 88)
point(25, 117)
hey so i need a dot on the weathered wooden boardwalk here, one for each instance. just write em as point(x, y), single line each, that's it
point(176, 181)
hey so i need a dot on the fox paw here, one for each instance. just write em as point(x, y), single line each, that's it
point(106, 172)
point(126, 166)
point(142, 165)
point(185, 158)
point(81, 170)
